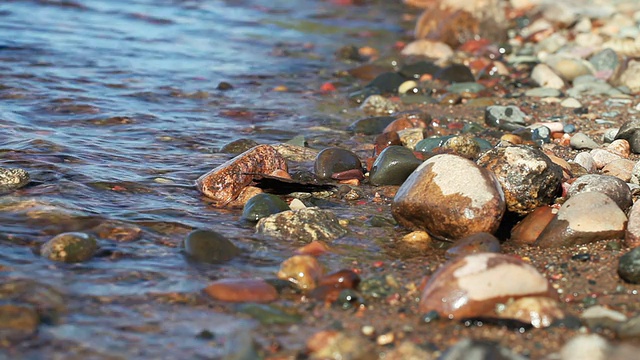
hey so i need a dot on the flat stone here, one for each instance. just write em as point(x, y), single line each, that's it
point(599, 316)
point(584, 218)
point(451, 197)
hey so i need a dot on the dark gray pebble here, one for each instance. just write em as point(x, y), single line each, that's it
point(393, 166)
point(209, 246)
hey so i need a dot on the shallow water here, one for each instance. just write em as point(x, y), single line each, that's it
point(112, 107)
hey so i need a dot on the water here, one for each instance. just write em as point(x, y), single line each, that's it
point(112, 106)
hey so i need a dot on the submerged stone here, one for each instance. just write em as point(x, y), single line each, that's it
point(209, 246)
point(70, 247)
point(12, 179)
point(242, 290)
point(304, 225)
point(335, 160)
point(263, 205)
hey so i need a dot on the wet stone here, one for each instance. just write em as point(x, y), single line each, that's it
point(584, 218)
point(472, 285)
point(464, 145)
point(334, 160)
point(118, 231)
point(70, 247)
point(475, 243)
point(238, 146)
point(12, 179)
point(331, 344)
point(504, 117)
point(209, 247)
point(539, 311)
point(378, 105)
point(269, 314)
point(431, 197)
point(468, 349)
point(302, 270)
point(611, 186)
point(630, 131)
point(393, 166)
point(17, 322)
point(224, 183)
point(629, 266)
point(371, 125)
point(263, 205)
point(410, 137)
point(456, 73)
point(417, 69)
point(465, 87)
point(582, 141)
point(527, 176)
point(387, 83)
point(242, 290)
point(427, 145)
point(304, 225)
point(49, 303)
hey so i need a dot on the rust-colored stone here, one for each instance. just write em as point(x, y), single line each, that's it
point(242, 290)
point(224, 183)
point(528, 230)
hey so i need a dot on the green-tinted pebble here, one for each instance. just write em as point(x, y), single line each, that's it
point(70, 247)
point(263, 205)
point(238, 146)
point(427, 145)
point(268, 314)
point(209, 246)
point(465, 87)
point(393, 166)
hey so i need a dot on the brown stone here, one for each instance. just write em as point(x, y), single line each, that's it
point(527, 231)
point(302, 270)
point(474, 243)
point(242, 290)
point(224, 183)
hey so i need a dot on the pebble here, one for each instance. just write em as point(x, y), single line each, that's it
point(71, 247)
point(385, 140)
point(528, 177)
point(407, 350)
point(599, 316)
point(334, 160)
point(468, 349)
point(629, 266)
point(471, 286)
point(582, 141)
point(631, 76)
point(584, 218)
point(430, 198)
point(296, 153)
point(620, 147)
point(12, 179)
point(263, 205)
point(605, 63)
point(528, 229)
point(304, 225)
point(632, 232)
point(429, 144)
point(49, 302)
point(610, 135)
point(544, 76)
point(419, 240)
point(242, 290)
point(635, 173)
point(464, 145)
point(571, 103)
point(570, 68)
point(393, 166)
point(238, 146)
point(456, 73)
point(379, 105)
point(371, 125)
point(224, 183)
point(387, 83)
point(621, 168)
point(465, 88)
point(474, 243)
point(630, 131)
point(408, 87)
point(410, 137)
point(611, 186)
point(427, 48)
point(404, 123)
point(630, 329)
point(118, 231)
point(585, 347)
point(602, 157)
point(542, 92)
point(505, 117)
point(304, 271)
point(539, 311)
point(333, 344)
point(267, 315)
point(209, 246)
point(417, 69)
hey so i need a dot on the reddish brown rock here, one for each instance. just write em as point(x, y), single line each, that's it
point(474, 243)
point(302, 270)
point(450, 197)
point(584, 218)
point(330, 286)
point(473, 285)
point(224, 183)
point(314, 248)
point(242, 290)
point(527, 231)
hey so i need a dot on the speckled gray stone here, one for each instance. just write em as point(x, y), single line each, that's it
point(582, 141)
point(611, 186)
point(12, 179)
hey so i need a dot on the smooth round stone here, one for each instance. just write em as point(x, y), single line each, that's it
point(620, 147)
point(605, 62)
point(585, 160)
point(304, 271)
point(387, 83)
point(582, 141)
point(629, 266)
point(431, 198)
point(570, 69)
point(209, 246)
point(12, 179)
point(334, 160)
point(242, 290)
point(238, 146)
point(475, 243)
point(410, 137)
point(632, 232)
point(465, 87)
point(456, 73)
point(72, 247)
point(631, 76)
point(584, 218)
point(527, 231)
point(378, 105)
point(385, 140)
point(611, 186)
point(409, 86)
point(371, 125)
point(602, 157)
point(544, 76)
point(504, 117)
point(571, 103)
point(417, 69)
point(542, 92)
point(263, 205)
point(528, 177)
point(589, 347)
point(427, 145)
point(569, 128)
point(393, 166)
point(463, 145)
point(472, 285)
point(630, 131)
point(621, 168)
